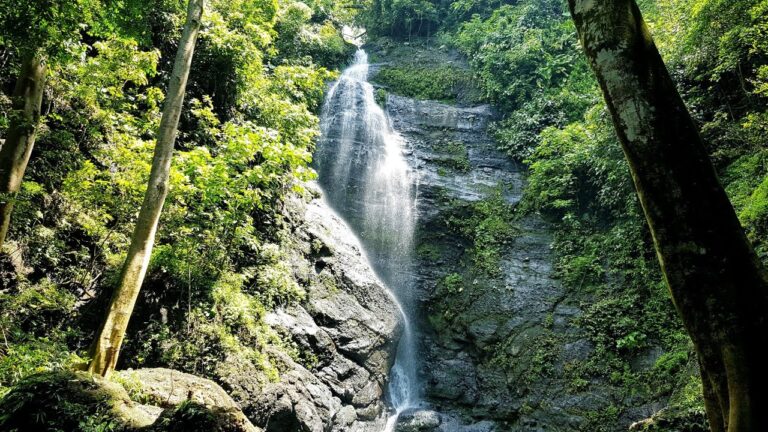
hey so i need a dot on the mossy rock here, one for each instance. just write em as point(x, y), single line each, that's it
point(77, 401)
point(71, 401)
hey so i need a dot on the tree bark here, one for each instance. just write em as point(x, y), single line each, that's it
point(25, 120)
point(105, 349)
point(718, 284)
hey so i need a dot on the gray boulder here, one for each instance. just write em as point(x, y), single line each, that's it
point(417, 420)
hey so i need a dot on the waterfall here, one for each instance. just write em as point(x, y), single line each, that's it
point(366, 178)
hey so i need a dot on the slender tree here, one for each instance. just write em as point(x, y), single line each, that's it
point(106, 347)
point(718, 285)
point(43, 34)
point(24, 123)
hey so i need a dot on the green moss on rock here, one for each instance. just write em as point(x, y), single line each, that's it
point(428, 83)
point(70, 401)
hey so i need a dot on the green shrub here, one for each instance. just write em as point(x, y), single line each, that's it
point(63, 401)
point(453, 283)
point(488, 224)
point(433, 83)
point(453, 155)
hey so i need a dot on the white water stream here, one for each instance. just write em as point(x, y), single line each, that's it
point(366, 178)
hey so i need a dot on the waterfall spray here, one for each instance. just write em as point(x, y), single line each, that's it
point(367, 180)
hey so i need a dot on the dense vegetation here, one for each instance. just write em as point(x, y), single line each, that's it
point(245, 141)
point(528, 60)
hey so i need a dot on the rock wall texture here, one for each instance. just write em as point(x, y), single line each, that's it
point(497, 351)
point(349, 323)
point(481, 344)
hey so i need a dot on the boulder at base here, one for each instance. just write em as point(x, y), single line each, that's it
point(72, 401)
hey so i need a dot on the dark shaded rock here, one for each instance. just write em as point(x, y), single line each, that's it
point(298, 402)
point(194, 417)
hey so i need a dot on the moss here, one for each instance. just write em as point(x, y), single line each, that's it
point(67, 401)
point(488, 224)
point(452, 283)
point(455, 156)
point(134, 388)
point(602, 421)
point(429, 252)
point(440, 83)
point(329, 281)
point(673, 420)
point(528, 356)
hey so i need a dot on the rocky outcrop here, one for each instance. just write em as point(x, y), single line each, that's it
point(496, 354)
point(338, 346)
point(482, 343)
point(169, 388)
point(349, 325)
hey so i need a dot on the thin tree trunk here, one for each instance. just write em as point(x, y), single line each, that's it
point(106, 347)
point(718, 284)
point(25, 120)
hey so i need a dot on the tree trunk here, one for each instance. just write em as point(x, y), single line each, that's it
point(106, 346)
point(718, 285)
point(25, 119)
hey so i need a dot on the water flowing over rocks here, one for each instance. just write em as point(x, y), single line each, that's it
point(495, 354)
point(467, 334)
point(492, 357)
point(363, 170)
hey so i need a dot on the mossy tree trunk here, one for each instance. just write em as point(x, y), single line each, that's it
point(25, 120)
point(718, 285)
point(105, 349)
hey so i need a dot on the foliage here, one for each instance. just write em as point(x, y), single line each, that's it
point(38, 25)
point(521, 50)
point(402, 18)
point(245, 142)
point(62, 400)
point(488, 225)
point(34, 331)
point(302, 38)
point(454, 155)
point(439, 84)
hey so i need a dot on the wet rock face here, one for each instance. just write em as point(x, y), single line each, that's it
point(349, 324)
point(497, 350)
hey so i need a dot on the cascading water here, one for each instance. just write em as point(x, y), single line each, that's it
point(367, 180)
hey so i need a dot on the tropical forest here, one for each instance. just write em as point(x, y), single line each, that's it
point(384, 215)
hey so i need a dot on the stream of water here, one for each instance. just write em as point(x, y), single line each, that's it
point(367, 180)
